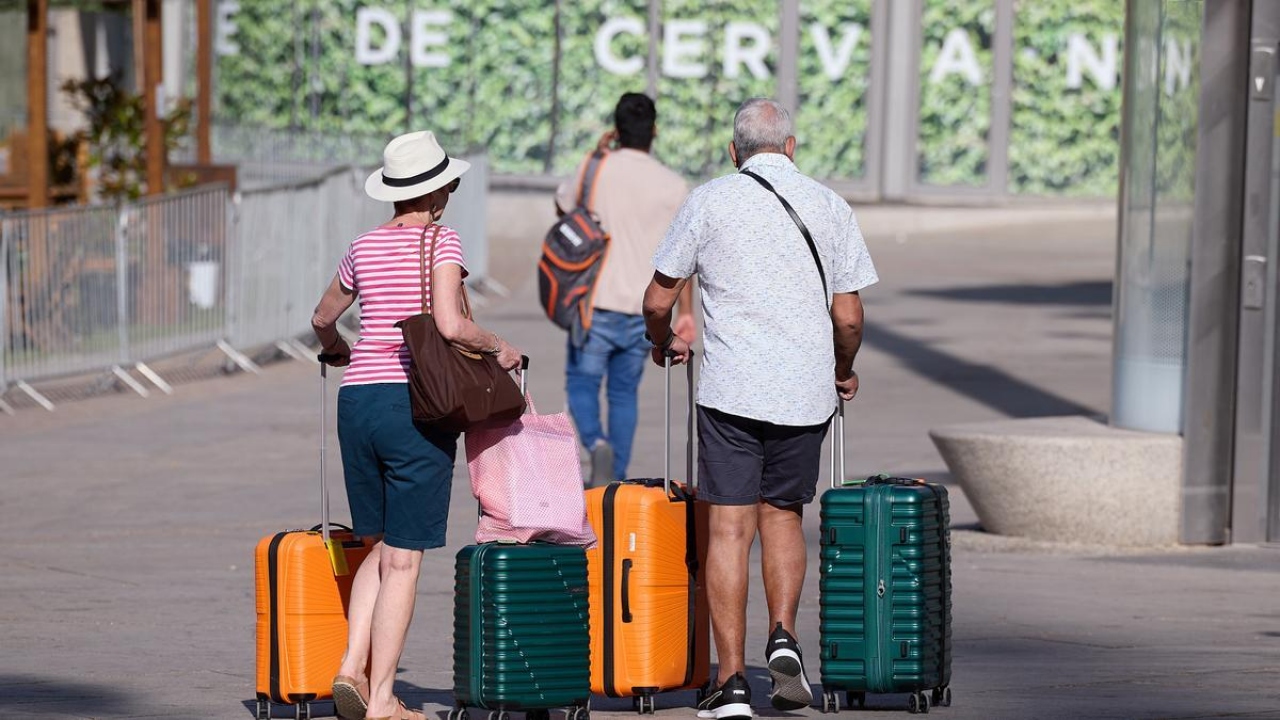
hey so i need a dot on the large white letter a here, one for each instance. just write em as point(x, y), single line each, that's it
point(956, 56)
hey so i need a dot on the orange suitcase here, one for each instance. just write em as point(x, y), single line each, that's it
point(649, 622)
point(302, 616)
point(302, 592)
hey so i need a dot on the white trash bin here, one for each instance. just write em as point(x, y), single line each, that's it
point(202, 283)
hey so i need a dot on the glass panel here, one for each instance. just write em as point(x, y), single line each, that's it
point(13, 80)
point(497, 89)
point(834, 77)
point(617, 33)
point(1066, 97)
point(261, 66)
point(715, 54)
point(1161, 115)
point(955, 92)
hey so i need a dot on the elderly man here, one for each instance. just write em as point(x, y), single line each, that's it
point(780, 261)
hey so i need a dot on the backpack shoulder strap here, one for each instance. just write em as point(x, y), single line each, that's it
point(587, 189)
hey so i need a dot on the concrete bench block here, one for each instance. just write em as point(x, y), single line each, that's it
point(1067, 479)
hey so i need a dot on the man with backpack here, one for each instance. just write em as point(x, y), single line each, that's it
point(634, 197)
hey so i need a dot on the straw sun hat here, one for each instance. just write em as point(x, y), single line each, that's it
point(413, 165)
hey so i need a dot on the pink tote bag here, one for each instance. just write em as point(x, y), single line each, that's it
point(528, 479)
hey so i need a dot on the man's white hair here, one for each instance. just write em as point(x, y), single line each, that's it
point(761, 125)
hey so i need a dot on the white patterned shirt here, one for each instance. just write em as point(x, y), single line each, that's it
point(769, 352)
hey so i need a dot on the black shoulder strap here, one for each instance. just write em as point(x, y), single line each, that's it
point(813, 249)
point(586, 190)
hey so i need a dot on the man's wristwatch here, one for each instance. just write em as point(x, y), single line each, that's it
point(664, 345)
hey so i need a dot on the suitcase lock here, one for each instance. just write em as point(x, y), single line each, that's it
point(880, 588)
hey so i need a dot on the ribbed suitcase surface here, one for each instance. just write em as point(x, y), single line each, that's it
point(301, 609)
point(649, 624)
point(520, 637)
point(886, 589)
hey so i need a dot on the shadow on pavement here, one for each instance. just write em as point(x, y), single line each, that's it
point(33, 695)
point(1074, 293)
point(986, 384)
point(414, 697)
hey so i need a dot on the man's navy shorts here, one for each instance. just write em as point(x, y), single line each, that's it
point(743, 461)
point(398, 475)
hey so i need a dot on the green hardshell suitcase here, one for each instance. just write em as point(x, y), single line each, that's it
point(885, 589)
point(521, 639)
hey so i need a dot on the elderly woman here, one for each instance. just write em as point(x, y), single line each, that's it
point(398, 475)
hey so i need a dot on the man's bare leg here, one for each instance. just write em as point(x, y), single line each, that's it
point(783, 561)
point(732, 530)
point(783, 558)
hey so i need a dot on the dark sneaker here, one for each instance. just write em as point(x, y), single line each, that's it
point(791, 689)
point(601, 463)
point(730, 700)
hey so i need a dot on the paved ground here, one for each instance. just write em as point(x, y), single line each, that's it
point(128, 525)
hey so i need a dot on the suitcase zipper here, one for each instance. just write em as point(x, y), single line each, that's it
point(877, 660)
point(477, 626)
point(272, 569)
point(607, 507)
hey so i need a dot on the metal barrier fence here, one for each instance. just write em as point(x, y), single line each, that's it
point(291, 238)
point(111, 288)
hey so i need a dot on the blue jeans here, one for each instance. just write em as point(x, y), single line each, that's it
point(615, 347)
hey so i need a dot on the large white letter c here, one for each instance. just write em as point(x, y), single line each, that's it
point(604, 39)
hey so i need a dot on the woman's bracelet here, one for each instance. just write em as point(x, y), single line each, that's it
point(497, 346)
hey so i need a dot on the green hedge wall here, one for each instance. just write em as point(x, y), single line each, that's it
point(297, 69)
point(699, 112)
point(831, 123)
point(955, 116)
point(1063, 141)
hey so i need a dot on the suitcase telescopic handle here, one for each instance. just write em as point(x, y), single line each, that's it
point(837, 446)
point(689, 429)
point(324, 447)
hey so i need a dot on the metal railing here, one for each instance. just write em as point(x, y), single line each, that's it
point(108, 289)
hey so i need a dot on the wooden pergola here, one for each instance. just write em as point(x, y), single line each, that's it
point(150, 42)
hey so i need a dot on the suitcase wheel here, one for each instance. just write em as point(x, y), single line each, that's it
point(499, 715)
point(646, 704)
point(263, 710)
point(830, 701)
point(577, 713)
point(918, 702)
point(459, 713)
point(941, 697)
point(302, 711)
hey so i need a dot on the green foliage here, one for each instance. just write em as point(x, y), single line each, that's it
point(297, 69)
point(588, 93)
point(697, 113)
point(1178, 106)
point(831, 122)
point(955, 117)
point(1063, 141)
point(116, 133)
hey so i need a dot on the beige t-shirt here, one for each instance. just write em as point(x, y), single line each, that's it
point(636, 198)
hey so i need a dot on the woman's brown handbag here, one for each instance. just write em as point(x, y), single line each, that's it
point(452, 389)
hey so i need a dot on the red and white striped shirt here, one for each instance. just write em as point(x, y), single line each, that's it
point(383, 267)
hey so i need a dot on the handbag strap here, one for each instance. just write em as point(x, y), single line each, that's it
point(426, 277)
point(813, 249)
point(423, 275)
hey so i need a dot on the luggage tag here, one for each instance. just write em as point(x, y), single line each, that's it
point(337, 557)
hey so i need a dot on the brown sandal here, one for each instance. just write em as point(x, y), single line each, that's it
point(350, 697)
point(404, 714)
